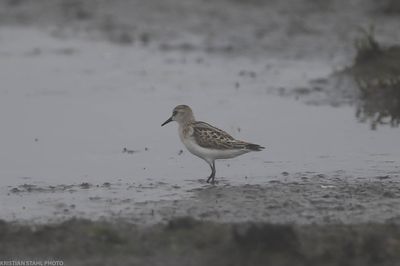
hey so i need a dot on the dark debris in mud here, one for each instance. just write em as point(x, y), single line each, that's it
point(132, 151)
point(128, 151)
point(185, 241)
point(31, 188)
point(40, 189)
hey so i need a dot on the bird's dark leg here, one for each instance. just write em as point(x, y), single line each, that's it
point(212, 176)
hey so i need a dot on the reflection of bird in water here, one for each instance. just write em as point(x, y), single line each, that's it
point(206, 141)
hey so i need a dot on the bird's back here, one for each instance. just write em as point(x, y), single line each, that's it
point(208, 136)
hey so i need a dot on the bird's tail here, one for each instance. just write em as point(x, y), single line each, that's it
point(254, 147)
point(242, 145)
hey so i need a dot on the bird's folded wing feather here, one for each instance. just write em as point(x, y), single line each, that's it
point(211, 137)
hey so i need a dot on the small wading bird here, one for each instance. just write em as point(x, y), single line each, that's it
point(207, 142)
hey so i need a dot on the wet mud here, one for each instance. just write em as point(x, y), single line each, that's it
point(315, 199)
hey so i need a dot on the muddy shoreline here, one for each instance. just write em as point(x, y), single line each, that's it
point(292, 199)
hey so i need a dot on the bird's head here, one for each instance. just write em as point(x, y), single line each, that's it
point(181, 114)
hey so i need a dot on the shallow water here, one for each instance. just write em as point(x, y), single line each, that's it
point(69, 108)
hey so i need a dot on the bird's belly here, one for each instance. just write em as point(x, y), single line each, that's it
point(211, 154)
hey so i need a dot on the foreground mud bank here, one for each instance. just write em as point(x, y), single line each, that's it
point(302, 199)
point(185, 241)
point(316, 199)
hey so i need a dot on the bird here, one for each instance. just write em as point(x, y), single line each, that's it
point(206, 141)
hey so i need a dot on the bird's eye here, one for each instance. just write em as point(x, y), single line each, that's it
point(174, 113)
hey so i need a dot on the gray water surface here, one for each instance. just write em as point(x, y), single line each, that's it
point(69, 107)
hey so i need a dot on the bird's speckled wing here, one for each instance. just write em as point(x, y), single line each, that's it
point(211, 137)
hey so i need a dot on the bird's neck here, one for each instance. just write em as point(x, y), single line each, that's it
point(185, 128)
point(185, 124)
point(187, 120)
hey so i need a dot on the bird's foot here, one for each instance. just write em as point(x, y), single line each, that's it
point(211, 180)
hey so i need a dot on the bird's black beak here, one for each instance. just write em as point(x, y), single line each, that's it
point(166, 122)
